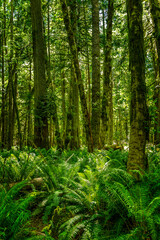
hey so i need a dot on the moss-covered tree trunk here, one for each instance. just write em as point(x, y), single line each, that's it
point(107, 105)
point(73, 110)
point(69, 113)
point(72, 128)
point(75, 113)
point(75, 141)
point(14, 93)
point(138, 120)
point(88, 82)
point(29, 116)
point(10, 80)
point(3, 117)
point(155, 13)
point(40, 84)
point(74, 53)
point(63, 89)
point(95, 74)
point(53, 111)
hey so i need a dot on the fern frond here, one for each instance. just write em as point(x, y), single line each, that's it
point(118, 175)
point(150, 223)
point(75, 230)
point(86, 235)
point(154, 204)
point(51, 202)
point(71, 222)
point(120, 195)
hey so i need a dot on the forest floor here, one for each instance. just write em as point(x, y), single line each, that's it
point(77, 195)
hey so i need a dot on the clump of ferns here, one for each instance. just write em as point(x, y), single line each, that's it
point(14, 213)
point(132, 212)
point(86, 205)
point(56, 177)
point(81, 201)
point(18, 166)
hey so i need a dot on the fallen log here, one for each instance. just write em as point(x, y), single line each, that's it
point(113, 147)
point(36, 182)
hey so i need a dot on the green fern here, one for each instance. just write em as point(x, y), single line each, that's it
point(13, 211)
point(18, 166)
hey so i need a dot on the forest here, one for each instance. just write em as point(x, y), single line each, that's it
point(80, 119)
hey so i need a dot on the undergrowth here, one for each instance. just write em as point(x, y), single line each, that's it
point(83, 196)
point(14, 213)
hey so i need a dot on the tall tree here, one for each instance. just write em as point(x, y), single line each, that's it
point(3, 117)
point(40, 84)
point(10, 82)
point(138, 118)
point(72, 139)
point(155, 13)
point(75, 97)
point(95, 74)
point(88, 83)
point(107, 106)
point(74, 53)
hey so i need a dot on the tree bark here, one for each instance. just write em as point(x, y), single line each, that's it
point(69, 114)
point(95, 74)
point(75, 113)
point(63, 86)
point(14, 93)
point(40, 84)
point(10, 80)
point(74, 53)
point(155, 13)
point(3, 136)
point(107, 105)
point(74, 138)
point(88, 82)
point(138, 119)
point(29, 116)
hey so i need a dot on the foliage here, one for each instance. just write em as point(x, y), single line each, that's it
point(85, 196)
point(16, 165)
point(106, 203)
point(14, 213)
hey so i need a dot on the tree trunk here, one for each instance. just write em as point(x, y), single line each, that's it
point(48, 45)
point(74, 53)
point(56, 123)
point(69, 113)
point(95, 74)
point(155, 13)
point(72, 128)
point(14, 97)
point(3, 138)
point(88, 83)
point(75, 113)
point(54, 114)
point(74, 137)
point(10, 82)
point(107, 105)
point(40, 84)
point(138, 118)
point(14, 92)
point(63, 105)
point(29, 117)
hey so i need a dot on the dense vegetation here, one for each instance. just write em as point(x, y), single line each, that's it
point(77, 195)
point(80, 79)
point(46, 101)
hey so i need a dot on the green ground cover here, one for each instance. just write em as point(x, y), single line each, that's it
point(77, 195)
